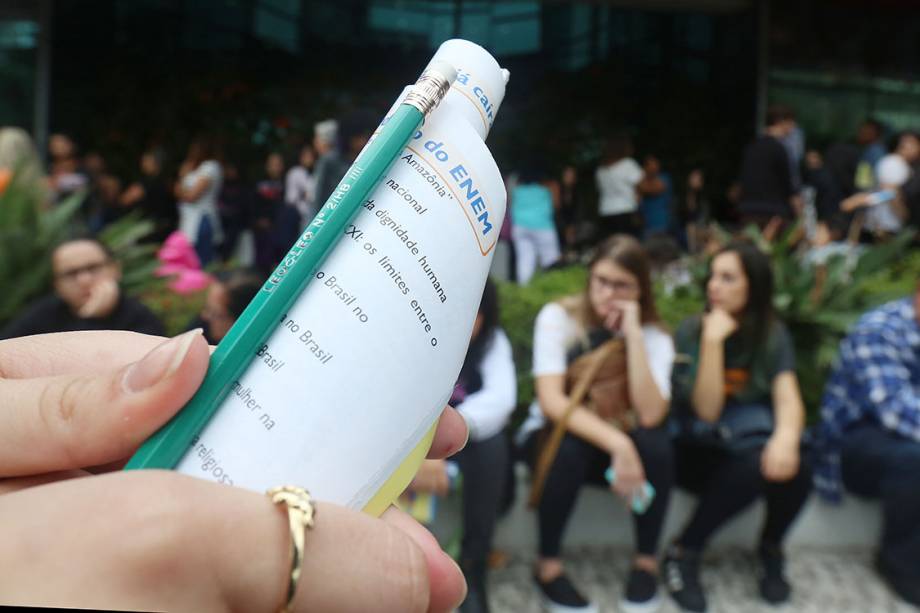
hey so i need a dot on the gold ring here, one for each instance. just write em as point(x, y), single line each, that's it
point(301, 512)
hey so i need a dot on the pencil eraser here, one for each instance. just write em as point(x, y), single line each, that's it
point(444, 69)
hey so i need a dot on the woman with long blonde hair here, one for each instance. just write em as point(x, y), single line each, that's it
point(617, 302)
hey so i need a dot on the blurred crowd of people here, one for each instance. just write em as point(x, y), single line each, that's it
point(851, 193)
point(855, 192)
point(225, 216)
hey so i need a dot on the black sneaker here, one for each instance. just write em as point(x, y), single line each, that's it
point(477, 600)
point(773, 585)
point(681, 573)
point(905, 585)
point(641, 592)
point(560, 596)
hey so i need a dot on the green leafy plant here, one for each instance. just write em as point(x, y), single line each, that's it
point(519, 307)
point(28, 233)
point(820, 303)
point(138, 261)
point(176, 311)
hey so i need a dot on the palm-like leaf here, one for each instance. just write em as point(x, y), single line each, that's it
point(30, 229)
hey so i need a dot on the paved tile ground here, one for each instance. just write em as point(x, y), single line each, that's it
point(824, 581)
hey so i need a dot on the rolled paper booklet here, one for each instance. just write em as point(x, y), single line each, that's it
point(343, 395)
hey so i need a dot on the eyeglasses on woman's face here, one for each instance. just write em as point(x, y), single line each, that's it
point(617, 286)
point(608, 277)
point(70, 275)
point(609, 282)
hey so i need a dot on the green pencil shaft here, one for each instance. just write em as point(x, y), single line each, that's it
point(238, 348)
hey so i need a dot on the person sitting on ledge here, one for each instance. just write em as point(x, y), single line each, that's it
point(869, 434)
point(86, 296)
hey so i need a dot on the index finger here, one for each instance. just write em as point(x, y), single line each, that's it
point(72, 353)
point(94, 352)
point(73, 421)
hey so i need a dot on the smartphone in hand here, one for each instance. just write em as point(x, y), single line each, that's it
point(641, 498)
point(881, 196)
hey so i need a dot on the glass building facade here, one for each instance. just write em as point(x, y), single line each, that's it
point(24, 64)
point(687, 78)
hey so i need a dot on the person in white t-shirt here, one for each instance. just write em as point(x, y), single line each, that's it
point(885, 209)
point(617, 179)
point(892, 172)
point(200, 178)
point(617, 300)
point(300, 186)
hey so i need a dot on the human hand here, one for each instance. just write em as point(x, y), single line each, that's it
point(84, 399)
point(798, 204)
point(102, 300)
point(822, 235)
point(432, 478)
point(718, 325)
point(114, 541)
point(780, 458)
point(624, 317)
point(627, 466)
point(856, 201)
point(132, 195)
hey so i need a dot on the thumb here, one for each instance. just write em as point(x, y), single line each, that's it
point(72, 421)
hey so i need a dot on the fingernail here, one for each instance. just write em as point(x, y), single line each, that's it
point(467, 439)
point(159, 363)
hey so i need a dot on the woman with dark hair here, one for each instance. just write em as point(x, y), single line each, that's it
point(271, 227)
point(618, 178)
point(567, 214)
point(533, 229)
point(300, 186)
point(200, 178)
point(617, 302)
point(150, 194)
point(736, 361)
point(696, 210)
point(485, 394)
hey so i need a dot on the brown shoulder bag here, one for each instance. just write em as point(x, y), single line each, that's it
point(597, 380)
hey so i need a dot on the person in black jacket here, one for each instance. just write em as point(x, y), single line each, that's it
point(86, 296)
point(150, 194)
point(767, 189)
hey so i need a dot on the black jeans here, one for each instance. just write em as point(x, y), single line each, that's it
point(483, 465)
point(727, 483)
point(624, 223)
point(579, 462)
point(878, 463)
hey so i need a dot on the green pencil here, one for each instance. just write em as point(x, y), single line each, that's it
point(238, 348)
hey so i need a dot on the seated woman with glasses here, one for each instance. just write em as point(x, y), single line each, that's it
point(86, 296)
point(617, 302)
point(735, 374)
